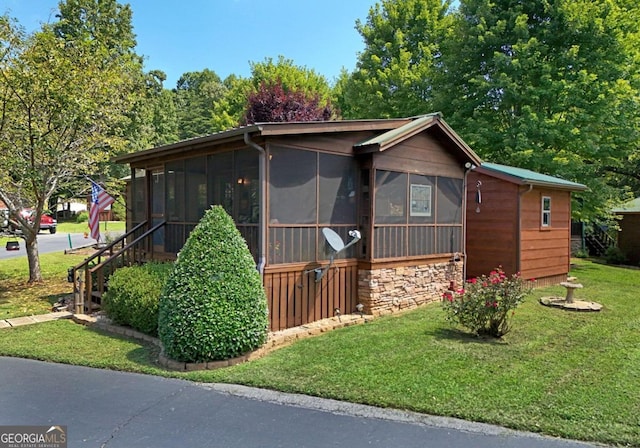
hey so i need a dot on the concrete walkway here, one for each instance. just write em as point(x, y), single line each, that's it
point(38, 318)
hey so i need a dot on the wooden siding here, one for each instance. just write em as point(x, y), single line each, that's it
point(421, 154)
point(629, 237)
point(492, 234)
point(545, 251)
point(294, 298)
point(498, 236)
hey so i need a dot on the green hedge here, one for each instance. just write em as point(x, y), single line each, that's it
point(133, 295)
point(213, 306)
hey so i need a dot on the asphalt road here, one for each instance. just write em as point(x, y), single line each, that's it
point(49, 243)
point(103, 408)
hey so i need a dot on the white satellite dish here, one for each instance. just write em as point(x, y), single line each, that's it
point(333, 239)
point(337, 245)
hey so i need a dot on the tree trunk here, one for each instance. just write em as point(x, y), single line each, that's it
point(31, 243)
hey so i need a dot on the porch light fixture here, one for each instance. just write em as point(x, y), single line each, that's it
point(478, 196)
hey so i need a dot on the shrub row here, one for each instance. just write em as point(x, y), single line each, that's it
point(209, 305)
point(133, 295)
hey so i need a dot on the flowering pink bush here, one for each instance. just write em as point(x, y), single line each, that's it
point(486, 303)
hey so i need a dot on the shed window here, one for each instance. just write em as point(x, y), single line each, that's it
point(546, 211)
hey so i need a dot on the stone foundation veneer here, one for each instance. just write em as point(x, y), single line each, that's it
point(391, 289)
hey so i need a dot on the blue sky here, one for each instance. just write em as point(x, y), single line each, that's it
point(224, 35)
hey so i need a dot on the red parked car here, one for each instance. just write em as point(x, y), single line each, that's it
point(47, 221)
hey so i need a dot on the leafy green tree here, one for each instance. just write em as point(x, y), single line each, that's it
point(61, 97)
point(104, 23)
point(195, 95)
point(213, 305)
point(227, 111)
point(153, 120)
point(545, 85)
point(395, 73)
point(230, 110)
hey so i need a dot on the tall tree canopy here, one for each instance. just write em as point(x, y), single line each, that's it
point(196, 93)
point(63, 96)
point(545, 85)
point(394, 75)
point(551, 85)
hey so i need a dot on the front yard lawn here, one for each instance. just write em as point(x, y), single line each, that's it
point(568, 374)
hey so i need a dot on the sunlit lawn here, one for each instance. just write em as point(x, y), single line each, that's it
point(574, 375)
point(81, 227)
point(18, 298)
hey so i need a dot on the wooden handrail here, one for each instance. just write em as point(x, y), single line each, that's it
point(128, 246)
point(94, 280)
point(98, 270)
point(97, 254)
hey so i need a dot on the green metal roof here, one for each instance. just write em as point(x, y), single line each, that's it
point(528, 177)
point(629, 207)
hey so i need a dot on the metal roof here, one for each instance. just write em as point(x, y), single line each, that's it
point(266, 129)
point(527, 177)
point(629, 207)
point(415, 126)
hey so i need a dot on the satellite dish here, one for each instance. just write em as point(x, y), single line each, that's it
point(333, 239)
point(337, 245)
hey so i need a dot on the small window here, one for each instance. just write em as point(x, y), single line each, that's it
point(420, 200)
point(546, 211)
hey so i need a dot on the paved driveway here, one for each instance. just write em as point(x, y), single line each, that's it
point(104, 408)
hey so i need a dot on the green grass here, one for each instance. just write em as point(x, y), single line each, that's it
point(567, 374)
point(17, 298)
point(74, 227)
point(81, 227)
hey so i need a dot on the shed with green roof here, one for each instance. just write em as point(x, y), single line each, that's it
point(521, 220)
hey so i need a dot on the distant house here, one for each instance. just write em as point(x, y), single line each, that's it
point(399, 182)
point(629, 234)
point(66, 208)
point(520, 220)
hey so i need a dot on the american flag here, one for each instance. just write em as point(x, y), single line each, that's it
point(100, 200)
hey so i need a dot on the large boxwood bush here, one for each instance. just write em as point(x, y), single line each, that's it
point(213, 306)
point(133, 295)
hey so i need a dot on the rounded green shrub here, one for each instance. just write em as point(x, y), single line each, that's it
point(82, 217)
point(133, 295)
point(213, 306)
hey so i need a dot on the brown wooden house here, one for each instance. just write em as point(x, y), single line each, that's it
point(400, 182)
point(629, 234)
point(520, 220)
